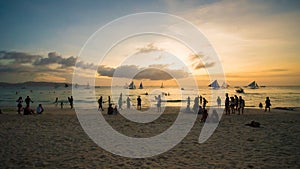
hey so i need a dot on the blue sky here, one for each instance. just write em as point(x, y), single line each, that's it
point(246, 32)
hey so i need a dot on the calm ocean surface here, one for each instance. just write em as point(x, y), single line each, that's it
point(283, 96)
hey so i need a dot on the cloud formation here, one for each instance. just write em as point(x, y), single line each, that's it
point(152, 72)
point(149, 48)
point(197, 62)
point(53, 58)
point(18, 57)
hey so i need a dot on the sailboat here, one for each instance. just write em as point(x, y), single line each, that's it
point(162, 85)
point(141, 86)
point(214, 85)
point(253, 85)
point(224, 85)
point(131, 85)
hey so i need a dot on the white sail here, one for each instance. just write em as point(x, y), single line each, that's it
point(253, 85)
point(214, 85)
point(225, 85)
point(131, 86)
point(141, 86)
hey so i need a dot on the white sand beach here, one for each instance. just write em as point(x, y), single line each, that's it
point(56, 140)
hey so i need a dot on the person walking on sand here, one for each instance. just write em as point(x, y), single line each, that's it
point(268, 104)
point(27, 101)
point(241, 105)
point(139, 103)
point(128, 102)
point(61, 105)
point(219, 101)
point(100, 101)
point(19, 105)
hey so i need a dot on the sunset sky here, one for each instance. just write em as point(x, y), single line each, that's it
point(255, 40)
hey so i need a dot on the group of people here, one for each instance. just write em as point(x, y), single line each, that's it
point(70, 100)
point(233, 104)
point(199, 104)
point(27, 110)
point(119, 106)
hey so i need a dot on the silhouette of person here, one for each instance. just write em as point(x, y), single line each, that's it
point(61, 105)
point(260, 105)
point(27, 101)
point(219, 101)
point(268, 104)
point(128, 102)
point(232, 105)
point(19, 105)
point(188, 102)
point(39, 109)
point(109, 100)
point(227, 109)
point(241, 105)
point(159, 104)
point(204, 103)
point(196, 104)
point(139, 103)
point(56, 101)
point(110, 109)
point(204, 116)
point(71, 101)
point(120, 102)
point(100, 101)
point(116, 111)
point(236, 102)
point(200, 99)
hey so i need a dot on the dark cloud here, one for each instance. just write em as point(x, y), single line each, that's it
point(53, 58)
point(152, 72)
point(200, 65)
point(84, 65)
point(197, 62)
point(18, 57)
point(149, 48)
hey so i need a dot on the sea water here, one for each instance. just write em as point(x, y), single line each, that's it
point(280, 96)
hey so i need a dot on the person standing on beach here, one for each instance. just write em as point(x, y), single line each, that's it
point(219, 101)
point(56, 101)
point(158, 104)
point(19, 105)
point(241, 105)
point(128, 102)
point(236, 102)
point(120, 102)
point(71, 101)
point(200, 99)
point(27, 101)
point(109, 100)
point(268, 104)
point(100, 101)
point(196, 104)
point(204, 103)
point(227, 110)
point(139, 103)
